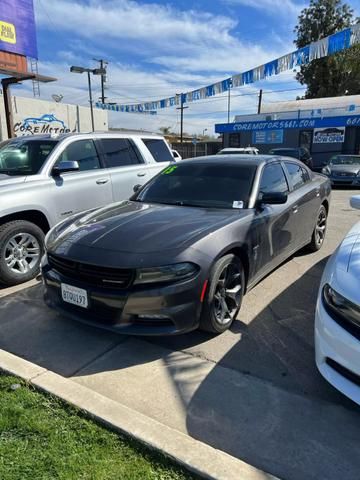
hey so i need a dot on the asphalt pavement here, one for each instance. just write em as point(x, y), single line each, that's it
point(253, 392)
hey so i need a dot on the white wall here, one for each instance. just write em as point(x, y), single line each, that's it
point(61, 117)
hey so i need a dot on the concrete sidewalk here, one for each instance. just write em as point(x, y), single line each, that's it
point(194, 455)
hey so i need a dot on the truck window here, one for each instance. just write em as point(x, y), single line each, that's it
point(158, 149)
point(23, 156)
point(83, 152)
point(119, 152)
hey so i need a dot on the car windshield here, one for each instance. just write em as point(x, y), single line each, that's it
point(24, 156)
point(345, 160)
point(234, 152)
point(201, 185)
point(285, 153)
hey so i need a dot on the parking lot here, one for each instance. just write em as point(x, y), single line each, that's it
point(253, 392)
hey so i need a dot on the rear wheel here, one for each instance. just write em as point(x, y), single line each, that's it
point(21, 248)
point(224, 295)
point(319, 232)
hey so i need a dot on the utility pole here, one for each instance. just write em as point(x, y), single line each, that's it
point(260, 101)
point(103, 77)
point(91, 103)
point(181, 108)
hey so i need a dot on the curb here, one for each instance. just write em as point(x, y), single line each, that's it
point(195, 456)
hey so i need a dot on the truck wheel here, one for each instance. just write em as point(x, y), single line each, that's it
point(21, 249)
point(224, 296)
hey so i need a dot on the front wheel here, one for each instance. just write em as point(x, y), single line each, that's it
point(224, 295)
point(319, 232)
point(21, 248)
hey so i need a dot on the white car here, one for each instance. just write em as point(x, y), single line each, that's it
point(176, 155)
point(337, 322)
point(239, 151)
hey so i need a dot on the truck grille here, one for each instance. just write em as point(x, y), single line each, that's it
point(104, 277)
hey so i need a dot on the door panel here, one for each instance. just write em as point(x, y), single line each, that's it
point(87, 188)
point(125, 166)
point(306, 196)
point(275, 223)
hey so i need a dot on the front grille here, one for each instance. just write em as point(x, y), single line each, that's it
point(104, 277)
point(348, 374)
point(345, 174)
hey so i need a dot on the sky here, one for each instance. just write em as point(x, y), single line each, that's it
point(158, 48)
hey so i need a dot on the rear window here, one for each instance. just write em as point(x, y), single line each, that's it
point(285, 153)
point(158, 149)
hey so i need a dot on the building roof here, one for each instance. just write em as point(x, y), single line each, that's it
point(312, 103)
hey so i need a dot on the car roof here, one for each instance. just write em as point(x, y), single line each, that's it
point(346, 155)
point(233, 160)
point(100, 134)
point(284, 149)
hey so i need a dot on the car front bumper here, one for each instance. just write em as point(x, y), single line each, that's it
point(140, 310)
point(337, 354)
point(351, 181)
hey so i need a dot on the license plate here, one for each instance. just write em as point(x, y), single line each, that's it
point(74, 295)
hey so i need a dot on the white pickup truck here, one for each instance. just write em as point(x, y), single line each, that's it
point(44, 179)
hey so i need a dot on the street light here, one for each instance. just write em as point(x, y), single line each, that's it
point(94, 71)
point(205, 130)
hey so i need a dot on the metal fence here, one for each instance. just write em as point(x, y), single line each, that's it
point(189, 150)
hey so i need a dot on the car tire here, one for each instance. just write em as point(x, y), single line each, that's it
point(224, 295)
point(319, 232)
point(21, 249)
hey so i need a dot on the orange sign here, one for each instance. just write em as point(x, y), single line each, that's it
point(12, 62)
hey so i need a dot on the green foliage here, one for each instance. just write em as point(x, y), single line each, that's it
point(41, 438)
point(335, 75)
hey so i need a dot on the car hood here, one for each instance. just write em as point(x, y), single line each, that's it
point(143, 228)
point(345, 168)
point(6, 180)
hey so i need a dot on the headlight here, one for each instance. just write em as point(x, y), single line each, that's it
point(168, 273)
point(326, 171)
point(341, 306)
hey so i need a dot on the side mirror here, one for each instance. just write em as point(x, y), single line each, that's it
point(66, 166)
point(273, 198)
point(136, 188)
point(355, 201)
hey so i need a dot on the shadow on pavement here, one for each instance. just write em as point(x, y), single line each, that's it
point(280, 416)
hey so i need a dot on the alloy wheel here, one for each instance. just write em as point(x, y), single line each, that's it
point(228, 293)
point(320, 228)
point(22, 253)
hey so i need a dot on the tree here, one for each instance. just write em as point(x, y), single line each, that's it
point(337, 74)
point(165, 130)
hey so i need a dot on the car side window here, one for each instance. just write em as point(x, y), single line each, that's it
point(83, 152)
point(119, 152)
point(299, 175)
point(273, 179)
point(158, 149)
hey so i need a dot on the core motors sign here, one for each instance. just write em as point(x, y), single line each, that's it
point(47, 123)
point(329, 135)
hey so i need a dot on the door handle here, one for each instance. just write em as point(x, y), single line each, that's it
point(101, 181)
point(295, 209)
point(141, 174)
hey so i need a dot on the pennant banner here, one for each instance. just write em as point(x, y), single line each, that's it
point(322, 48)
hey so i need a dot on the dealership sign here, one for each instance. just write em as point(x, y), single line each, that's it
point(17, 27)
point(329, 135)
point(47, 123)
point(341, 121)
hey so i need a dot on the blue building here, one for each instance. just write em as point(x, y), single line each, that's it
point(325, 126)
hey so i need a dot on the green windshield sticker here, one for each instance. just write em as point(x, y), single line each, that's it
point(169, 170)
